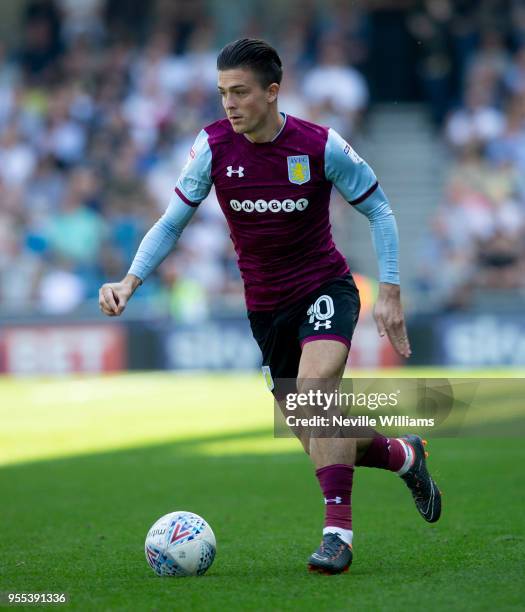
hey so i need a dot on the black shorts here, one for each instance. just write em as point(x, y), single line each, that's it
point(330, 312)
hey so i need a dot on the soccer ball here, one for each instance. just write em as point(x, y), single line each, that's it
point(180, 544)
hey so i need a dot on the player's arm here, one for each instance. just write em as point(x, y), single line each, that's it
point(357, 183)
point(193, 186)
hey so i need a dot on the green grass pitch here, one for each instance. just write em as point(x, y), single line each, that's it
point(88, 464)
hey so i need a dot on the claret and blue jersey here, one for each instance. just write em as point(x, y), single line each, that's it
point(275, 197)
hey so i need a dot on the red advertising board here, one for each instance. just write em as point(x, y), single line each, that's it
point(63, 349)
point(369, 350)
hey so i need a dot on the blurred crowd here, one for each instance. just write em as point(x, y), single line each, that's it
point(95, 124)
point(476, 243)
point(100, 101)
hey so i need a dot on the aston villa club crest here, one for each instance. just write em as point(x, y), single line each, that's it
point(298, 169)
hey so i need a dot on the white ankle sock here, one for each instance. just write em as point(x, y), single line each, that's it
point(345, 534)
point(409, 451)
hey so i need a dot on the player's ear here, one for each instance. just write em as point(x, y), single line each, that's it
point(272, 91)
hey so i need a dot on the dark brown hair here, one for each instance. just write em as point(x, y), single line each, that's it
point(253, 54)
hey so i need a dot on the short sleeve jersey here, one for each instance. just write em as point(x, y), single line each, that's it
point(275, 197)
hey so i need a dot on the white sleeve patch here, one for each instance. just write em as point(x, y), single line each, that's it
point(195, 178)
point(347, 150)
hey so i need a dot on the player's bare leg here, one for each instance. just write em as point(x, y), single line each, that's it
point(321, 368)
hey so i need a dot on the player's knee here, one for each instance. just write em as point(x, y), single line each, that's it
point(317, 380)
point(322, 371)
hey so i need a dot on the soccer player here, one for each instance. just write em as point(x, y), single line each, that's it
point(273, 174)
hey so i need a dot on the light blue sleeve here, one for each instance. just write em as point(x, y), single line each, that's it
point(193, 186)
point(383, 228)
point(195, 182)
point(357, 183)
point(162, 237)
point(343, 167)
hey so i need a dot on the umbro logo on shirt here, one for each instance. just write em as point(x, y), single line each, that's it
point(239, 172)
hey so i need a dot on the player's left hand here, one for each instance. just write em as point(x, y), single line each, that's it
point(390, 320)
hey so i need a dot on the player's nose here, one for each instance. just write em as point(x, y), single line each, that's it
point(229, 103)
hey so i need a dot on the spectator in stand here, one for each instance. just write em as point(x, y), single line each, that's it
point(77, 231)
point(431, 28)
point(478, 121)
point(509, 147)
point(341, 104)
point(17, 158)
point(41, 41)
point(500, 264)
point(515, 75)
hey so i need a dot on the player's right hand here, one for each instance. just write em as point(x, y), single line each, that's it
point(113, 297)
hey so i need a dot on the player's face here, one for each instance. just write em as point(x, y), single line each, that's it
point(246, 102)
